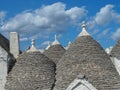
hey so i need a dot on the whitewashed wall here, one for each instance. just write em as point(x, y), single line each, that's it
point(116, 62)
point(3, 67)
point(81, 84)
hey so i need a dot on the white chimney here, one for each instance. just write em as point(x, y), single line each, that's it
point(14, 44)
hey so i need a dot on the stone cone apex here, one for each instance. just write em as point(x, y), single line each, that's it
point(69, 43)
point(56, 42)
point(55, 52)
point(86, 56)
point(84, 32)
point(116, 50)
point(32, 48)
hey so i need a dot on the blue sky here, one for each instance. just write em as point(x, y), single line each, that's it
point(42, 19)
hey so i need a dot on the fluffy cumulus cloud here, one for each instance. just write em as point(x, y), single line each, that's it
point(104, 21)
point(106, 15)
point(45, 20)
point(116, 34)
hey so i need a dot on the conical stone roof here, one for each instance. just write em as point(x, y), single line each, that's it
point(55, 51)
point(32, 71)
point(116, 50)
point(85, 56)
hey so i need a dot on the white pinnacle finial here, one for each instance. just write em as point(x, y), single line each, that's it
point(83, 24)
point(32, 42)
point(55, 41)
point(69, 43)
point(55, 37)
point(32, 48)
point(84, 32)
point(48, 45)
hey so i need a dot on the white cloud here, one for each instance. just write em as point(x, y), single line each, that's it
point(45, 20)
point(105, 32)
point(76, 13)
point(116, 17)
point(45, 43)
point(2, 16)
point(91, 24)
point(24, 39)
point(105, 15)
point(95, 31)
point(116, 34)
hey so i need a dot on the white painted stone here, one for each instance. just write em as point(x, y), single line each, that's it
point(81, 84)
point(116, 62)
point(32, 48)
point(56, 42)
point(3, 67)
point(48, 46)
point(84, 32)
point(41, 50)
point(108, 50)
point(69, 43)
point(14, 44)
